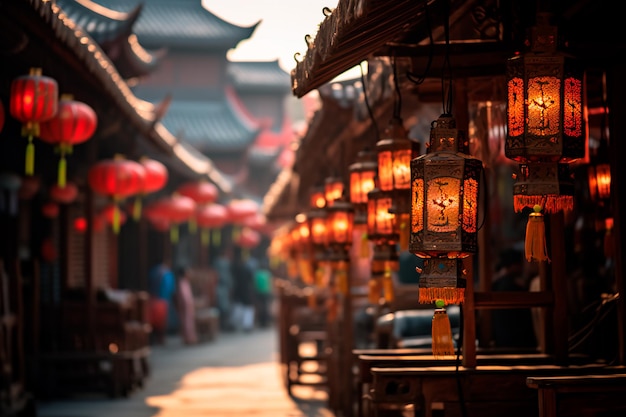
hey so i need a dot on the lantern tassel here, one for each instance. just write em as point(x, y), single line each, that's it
point(30, 156)
point(364, 253)
point(116, 219)
point(374, 287)
point(441, 332)
point(62, 172)
point(535, 243)
point(205, 237)
point(216, 237)
point(174, 234)
point(388, 286)
point(137, 208)
point(193, 226)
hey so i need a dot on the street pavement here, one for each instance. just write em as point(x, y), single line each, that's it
point(237, 374)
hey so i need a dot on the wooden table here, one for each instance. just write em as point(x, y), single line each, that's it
point(580, 395)
point(485, 390)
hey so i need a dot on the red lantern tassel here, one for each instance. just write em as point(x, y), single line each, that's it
point(174, 234)
point(535, 243)
point(116, 219)
point(216, 237)
point(442, 333)
point(137, 208)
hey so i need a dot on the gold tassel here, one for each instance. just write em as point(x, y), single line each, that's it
point(535, 243)
point(205, 237)
point(62, 171)
point(388, 286)
point(374, 287)
point(364, 253)
point(30, 157)
point(441, 332)
point(448, 295)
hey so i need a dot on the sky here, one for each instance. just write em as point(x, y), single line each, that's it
point(281, 32)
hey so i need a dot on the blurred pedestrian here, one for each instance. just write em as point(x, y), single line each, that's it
point(263, 296)
point(243, 292)
point(222, 266)
point(161, 286)
point(186, 306)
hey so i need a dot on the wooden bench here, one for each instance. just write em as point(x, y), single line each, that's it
point(486, 391)
point(580, 395)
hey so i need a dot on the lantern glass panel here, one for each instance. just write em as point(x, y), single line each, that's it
point(318, 230)
point(333, 190)
point(340, 223)
point(361, 183)
point(318, 198)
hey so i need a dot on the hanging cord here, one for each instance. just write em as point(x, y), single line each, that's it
point(367, 103)
point(397, 106)
point(446, 70)
point(411, 76)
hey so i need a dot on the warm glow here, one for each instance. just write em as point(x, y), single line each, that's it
point(394, 169)
point(442, 209)
point(361, 183)
point(333, 190)
point(544, 106)
point(318, 230)
point(600, 182)
point(318, 199)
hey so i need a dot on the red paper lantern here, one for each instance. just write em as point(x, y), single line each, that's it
point(74, 123)
point(34, 99)
point(248, 238)
point(156, 175)
point(65, 194)
point(240, 210)
point(202, 192)
point(212, 215)
point(117, 178)
point(175, 209)
point(30, 186)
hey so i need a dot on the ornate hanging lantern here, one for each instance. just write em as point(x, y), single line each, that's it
point(339, 227)
point(176, 209)
point(74, 123)
point(444, 214)
point(34, 99)
point(317, 198)
point(65, 195)
point(333, 190)
point(395, 152)
point(202, 192)
point(362, 180)
point(117, 178)
point(545, 88)
point(547, 127)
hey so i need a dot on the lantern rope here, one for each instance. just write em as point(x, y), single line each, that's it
point(367, 103)
point(411, 76)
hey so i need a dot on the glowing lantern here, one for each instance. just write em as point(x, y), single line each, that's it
point(362, 175)
point(111, 214)
point(175, 209)
point(317, 198)
point(34, 99)
point(154, 178)
point(50, 210)
point(74, 123)
point(202, 192)
point(395, 151)
point(211, 216)
point(333, 189)
point(116, 178)
point(339, 225)
point(240, 210)
point(545, 103)
point(444, 211)
point(248, 238)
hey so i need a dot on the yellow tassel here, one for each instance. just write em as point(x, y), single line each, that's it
point(193, 226)
point(448, 295)
point(374, 290)
point(442, 333)
point(364, 253)
point(62, 172)
point(116, 219)
point(216, 237)
point(30, 157)
point(388, 286)
point(205, 237)
point(174, 234)
point(137, 208)
point(535, 243)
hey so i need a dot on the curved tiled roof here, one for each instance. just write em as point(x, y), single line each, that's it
point(259, 77)
point(210, 126)
point(139, 113)
point(112, 30)
point(181, 24)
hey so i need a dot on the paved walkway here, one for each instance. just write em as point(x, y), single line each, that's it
point(238, 374)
